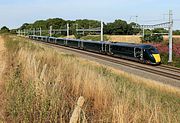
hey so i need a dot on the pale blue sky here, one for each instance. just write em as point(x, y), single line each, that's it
point(13, 13)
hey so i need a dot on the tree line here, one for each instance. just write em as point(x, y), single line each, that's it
point(118, 27)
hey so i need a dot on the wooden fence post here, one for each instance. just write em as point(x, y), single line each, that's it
point(77, 112)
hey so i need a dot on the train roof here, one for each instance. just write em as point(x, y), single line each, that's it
point(72, 39)
point(38, 36)
point(88, 41)
point(146, 46)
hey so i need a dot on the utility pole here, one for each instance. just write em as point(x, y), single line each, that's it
point(50, 31)
point(136, 19)
point(143, 33)
point(24, 32)
point(67, 30)
point(34, 31)
point(40, 31)
point(101, 31)
point(83, 31)
point(76, 26)
point(18, 32)
point(170, 35)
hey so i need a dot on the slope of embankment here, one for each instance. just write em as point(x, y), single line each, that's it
point(43, 85)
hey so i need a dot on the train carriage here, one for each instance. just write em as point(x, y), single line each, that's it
point(60, 41)
point(73, 43)
point(151, 55)
point(52, 40)
point(95, 46)
point(44, 38)
point(137, 52)
point(125, 50)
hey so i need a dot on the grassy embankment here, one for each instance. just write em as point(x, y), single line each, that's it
point(43, 85)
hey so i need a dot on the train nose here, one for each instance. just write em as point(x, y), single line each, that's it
point(157, 58)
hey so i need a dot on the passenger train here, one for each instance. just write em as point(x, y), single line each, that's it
point(142, 53)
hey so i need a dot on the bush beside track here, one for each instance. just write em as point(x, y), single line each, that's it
point(163, 49)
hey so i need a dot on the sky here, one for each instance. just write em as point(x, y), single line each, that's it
point(13, 13)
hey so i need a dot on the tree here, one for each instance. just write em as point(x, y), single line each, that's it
point(24, 26)
point(131, 30)
point(176, 32)
point(4, 29)
point(152, 38)
point(160, 30)
point(119, 27)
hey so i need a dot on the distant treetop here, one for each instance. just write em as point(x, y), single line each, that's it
point(4, 29)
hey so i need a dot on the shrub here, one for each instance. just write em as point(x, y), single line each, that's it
point(152, 38)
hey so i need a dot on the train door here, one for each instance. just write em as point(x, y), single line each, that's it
point(65, 42)
point(138, 53)
point(79, 44)
point(107, 48)
point(102, 47)
point(82, 45)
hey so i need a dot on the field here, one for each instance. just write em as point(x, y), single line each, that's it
point(43, 85)
point(125, 38)
point(176, 39)
point(115, 38)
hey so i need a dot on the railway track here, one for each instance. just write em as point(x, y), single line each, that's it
point(170, 68)
point(162, 70)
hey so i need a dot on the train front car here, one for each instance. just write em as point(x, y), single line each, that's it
point(151, 55)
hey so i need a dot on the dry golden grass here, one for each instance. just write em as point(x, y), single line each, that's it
point(176, 38)
point(70, 36)
point(124, 38)
point(2, 61)
point(2, 67)
point(140, 80)
point(43, 86)
point(113, 38)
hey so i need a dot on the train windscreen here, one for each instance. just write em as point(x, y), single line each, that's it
point(153, 50)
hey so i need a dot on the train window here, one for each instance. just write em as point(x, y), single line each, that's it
point(124, 49)
point(153, 50)
point(138, 52)
point(118, 48)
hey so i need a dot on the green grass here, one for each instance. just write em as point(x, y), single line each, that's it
point(165, 58)
point(43, 86)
